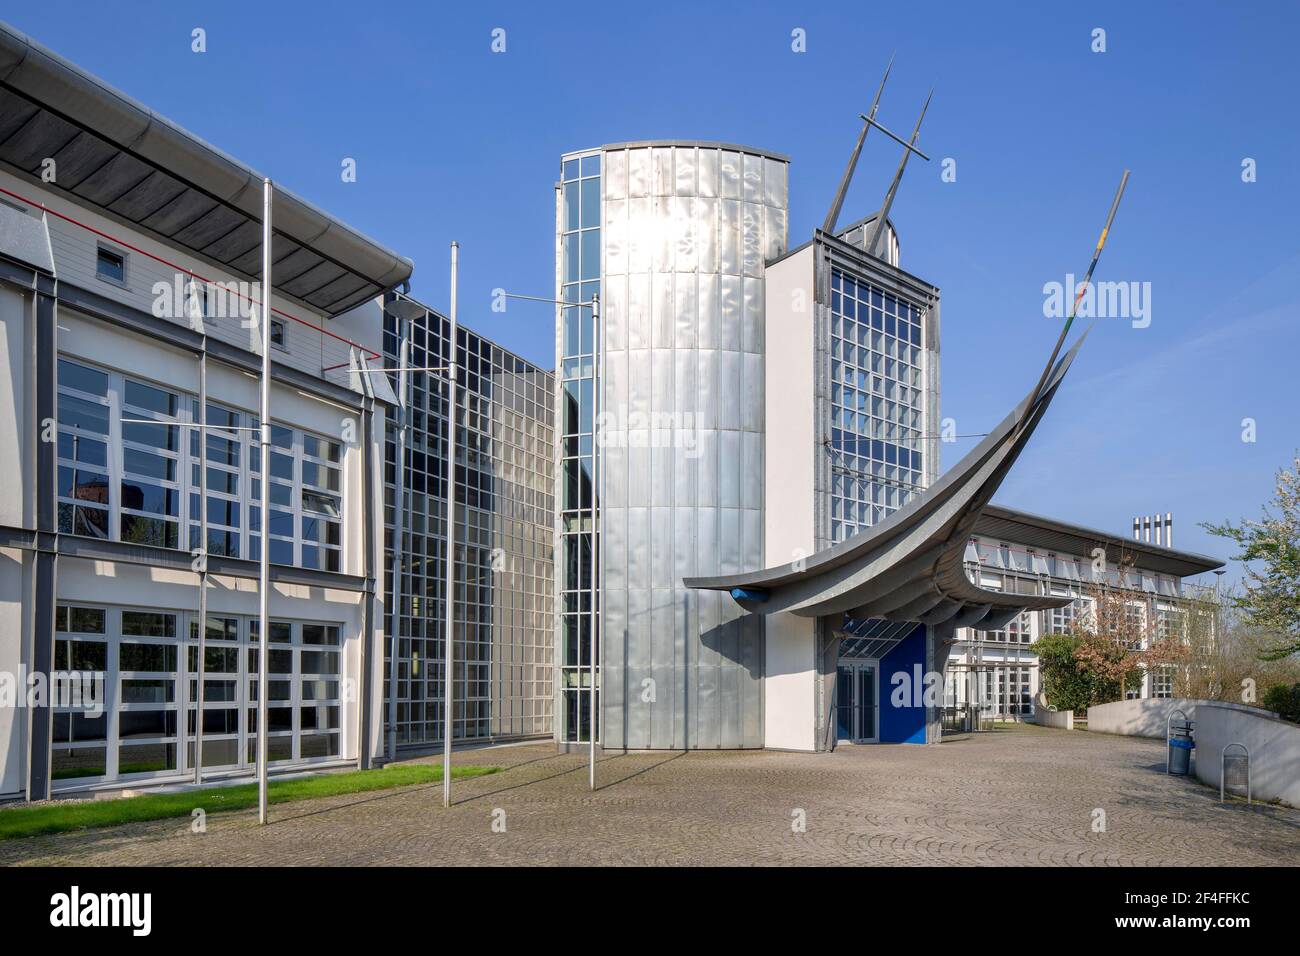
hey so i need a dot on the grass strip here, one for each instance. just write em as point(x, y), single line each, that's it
point(65, 816)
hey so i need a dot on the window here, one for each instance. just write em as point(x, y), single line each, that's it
point(129, 469)
point(110, 265)
point(152, 674)
point(278, 334)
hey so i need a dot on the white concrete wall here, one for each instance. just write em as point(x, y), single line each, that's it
point(790, 677)
point(788, 519)
point(1274, 747)
point(15, 511)
point(75, 250)
point(1147, 716)
point(1061, 719)
point(790, 683)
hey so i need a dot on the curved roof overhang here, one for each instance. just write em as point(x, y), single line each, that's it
point(123, 159)
point(911, 566)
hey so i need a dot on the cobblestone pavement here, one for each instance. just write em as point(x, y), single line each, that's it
point(1023, 796)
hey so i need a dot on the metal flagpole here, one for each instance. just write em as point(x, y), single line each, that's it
point(399, 513)
point(203, 557)
point(264, 569)
point(597, 350)
point(1078, 296)
point(449, 602)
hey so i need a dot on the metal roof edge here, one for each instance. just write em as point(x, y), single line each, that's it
point(132, 126)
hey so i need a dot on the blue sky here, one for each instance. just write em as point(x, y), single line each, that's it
point(453, 141)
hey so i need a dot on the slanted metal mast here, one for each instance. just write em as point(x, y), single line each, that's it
point(908, 149)
point(834, 214)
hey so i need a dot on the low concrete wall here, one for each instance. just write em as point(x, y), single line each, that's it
point(1045, 717)
point(1147, 717)
point(1274, 747)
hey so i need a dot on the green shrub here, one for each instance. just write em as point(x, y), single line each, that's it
point(1285, 699)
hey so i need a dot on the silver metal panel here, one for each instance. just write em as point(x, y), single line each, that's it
point(706, 469)
point(752, 383)
point(638, 172)
point(684, 167)
point(706, 542)
point(706, 407)
point(729, 541)
point(614, 177)
point(685, 289)
point(709, 303)
point(708, 173)
point(663, 626)
point(729, 237)
point(729, 331)
point(751, 239)
point(639, 482)
point(731, 465)
point(662, 172)
point(613, 650)
point(729, 383)
point(751, 492)
point(729, 173)
point(682, 273)
point(638, 655)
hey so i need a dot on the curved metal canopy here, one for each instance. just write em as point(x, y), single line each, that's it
point(911, 566)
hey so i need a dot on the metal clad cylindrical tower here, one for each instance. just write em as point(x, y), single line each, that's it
point(686, 231)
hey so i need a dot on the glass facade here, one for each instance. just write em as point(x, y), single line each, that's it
point(577, 354)
point(149, 661)
point(504, 602)
point(877, 404)
point(129, 471)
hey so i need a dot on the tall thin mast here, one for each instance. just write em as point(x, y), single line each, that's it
point(449, 603)
point(1078, 297)
point(264, 563)
point(834, 214)
point(883, 215)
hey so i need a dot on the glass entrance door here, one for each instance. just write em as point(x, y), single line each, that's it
point(855, 702)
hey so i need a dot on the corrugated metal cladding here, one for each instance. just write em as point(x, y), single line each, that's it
point(687, 229)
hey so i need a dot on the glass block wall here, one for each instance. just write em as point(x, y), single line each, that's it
point(504, 606)
point(877, 404)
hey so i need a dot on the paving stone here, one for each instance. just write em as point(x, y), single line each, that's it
point(1015, 797)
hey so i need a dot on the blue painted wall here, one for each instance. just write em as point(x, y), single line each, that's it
point(905, 724)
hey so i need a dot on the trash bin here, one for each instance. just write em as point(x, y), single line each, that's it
point(1180, 748)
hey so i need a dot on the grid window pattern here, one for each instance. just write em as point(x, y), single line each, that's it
point(126, 472)
point(1015, 631)
point(504, 601)
point(580, 272)
point(876, 404)
point(148, 661)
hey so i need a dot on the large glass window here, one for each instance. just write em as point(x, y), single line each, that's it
point(580, 348)
point(876, 404)
point(503, 606)
point(149, 662)
point(129, 470)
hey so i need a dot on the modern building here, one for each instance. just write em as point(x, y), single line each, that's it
point(992, 674)
point(130, 253)
point(674, 237)
point(756, 545)
point(722, 515)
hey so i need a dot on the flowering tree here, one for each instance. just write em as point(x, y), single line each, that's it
point(1108, 648)
point(1270, 548)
